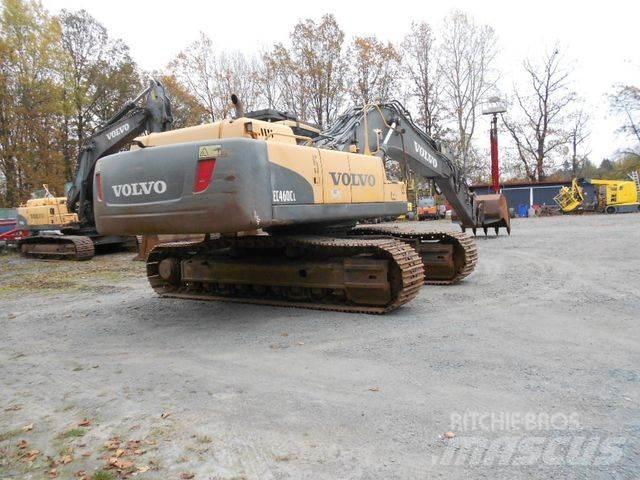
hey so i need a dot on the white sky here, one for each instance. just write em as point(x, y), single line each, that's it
point(600, 36)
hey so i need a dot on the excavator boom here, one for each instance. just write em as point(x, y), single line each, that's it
point(387, 130)
point(129, 122)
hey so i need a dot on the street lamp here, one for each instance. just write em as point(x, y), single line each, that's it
point(494, 106)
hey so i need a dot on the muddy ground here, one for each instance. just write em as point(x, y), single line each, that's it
point(528, 369)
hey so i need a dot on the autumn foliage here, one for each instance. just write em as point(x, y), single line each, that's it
point(63, 75)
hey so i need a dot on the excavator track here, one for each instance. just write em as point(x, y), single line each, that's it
point(448, 257)
point(326, 273)
point(74, 247)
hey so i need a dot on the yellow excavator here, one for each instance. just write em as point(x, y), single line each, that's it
point(606, 196)
point(279, 211)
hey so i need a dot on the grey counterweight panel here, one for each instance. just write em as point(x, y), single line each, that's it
point(323, 213)
point(237, 199)
point(289, 187)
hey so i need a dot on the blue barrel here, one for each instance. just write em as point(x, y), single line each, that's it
point(523, 210)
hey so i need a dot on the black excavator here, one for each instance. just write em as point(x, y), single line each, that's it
point(64, 227)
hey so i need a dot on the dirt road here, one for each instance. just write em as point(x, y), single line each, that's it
point(528, 369)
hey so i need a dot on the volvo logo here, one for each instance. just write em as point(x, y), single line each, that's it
point(141, 188)
point(424, 153)
point(353, 179)
point(118, 131)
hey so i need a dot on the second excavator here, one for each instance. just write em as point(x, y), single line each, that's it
point(64, 227)
point(279, 211)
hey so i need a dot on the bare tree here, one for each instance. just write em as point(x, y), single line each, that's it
point(212, 77)
point(537, 127)
point(195, 67)
point(98, 76)
point(319, 47)
point(578, 133)
point(467, 54)
point(373, 70)
point(311, 69)
point(290, 81)
point(420, 60)
point(235, 74)
point(269, 93)
point(626, 101)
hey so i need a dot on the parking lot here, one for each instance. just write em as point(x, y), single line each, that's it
point(111, 378)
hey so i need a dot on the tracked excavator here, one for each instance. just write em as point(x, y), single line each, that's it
point(278, 211)
point(64, 227)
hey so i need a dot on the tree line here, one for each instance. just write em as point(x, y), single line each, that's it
point(62, 75)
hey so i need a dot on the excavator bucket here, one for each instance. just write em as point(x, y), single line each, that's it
point(493, 212)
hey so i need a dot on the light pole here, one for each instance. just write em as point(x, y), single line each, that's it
point(493, 107)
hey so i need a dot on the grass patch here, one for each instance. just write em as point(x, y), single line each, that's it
point(74, 433)
point(9, 434)
point(18, 275)
point(158, 432)
point(203, 439)
point(102, 475)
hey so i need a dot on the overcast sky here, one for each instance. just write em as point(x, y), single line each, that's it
point(600, 36)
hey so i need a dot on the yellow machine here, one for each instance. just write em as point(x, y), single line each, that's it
point(608, 196)
point(570, 198)
point(278, 211)
point(47, 212)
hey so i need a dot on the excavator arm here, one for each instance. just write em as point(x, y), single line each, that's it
point(387, 130)
point(128, 123)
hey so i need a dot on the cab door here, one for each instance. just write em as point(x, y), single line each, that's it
point(367, 178)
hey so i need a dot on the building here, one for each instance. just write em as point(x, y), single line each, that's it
point(524, 193)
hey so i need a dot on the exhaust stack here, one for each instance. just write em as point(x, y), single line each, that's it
point(237, 105)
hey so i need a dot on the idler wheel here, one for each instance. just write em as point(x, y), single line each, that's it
point(169, 270)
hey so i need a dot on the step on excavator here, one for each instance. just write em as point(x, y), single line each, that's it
point(64, 227)
point(279, 211)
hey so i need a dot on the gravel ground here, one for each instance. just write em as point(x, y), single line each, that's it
point(528, 369)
